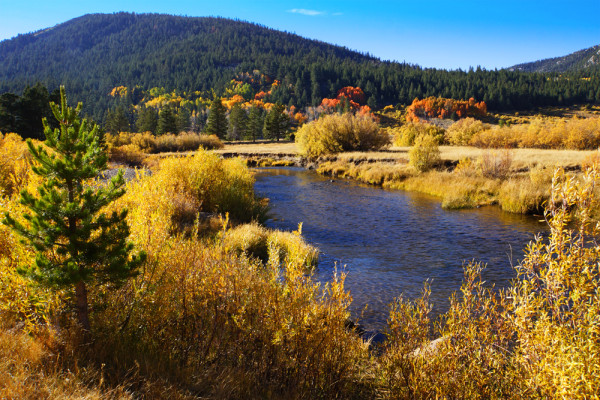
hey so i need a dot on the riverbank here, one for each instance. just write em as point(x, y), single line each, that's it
point(517, 180)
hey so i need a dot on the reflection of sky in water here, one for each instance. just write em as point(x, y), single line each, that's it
point(392, 242)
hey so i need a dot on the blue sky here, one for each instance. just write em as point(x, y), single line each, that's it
point(441, 34)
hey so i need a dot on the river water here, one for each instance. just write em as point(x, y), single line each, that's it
point(391, 242)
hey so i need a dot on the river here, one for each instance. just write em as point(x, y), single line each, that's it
point(391, 242)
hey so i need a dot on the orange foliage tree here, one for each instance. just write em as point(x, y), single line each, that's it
point(354, 97)
point(439, 107)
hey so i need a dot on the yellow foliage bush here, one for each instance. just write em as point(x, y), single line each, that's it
point(407, 134)
point(184, 186)
point(577, 134)
point(555, 308)
point(203, 314)
point(537, 339)
point(279, 248)
point(127, 154)
point(425, 154)
point(523, 195)
point(337, 133)
point(461, 132)
point(21, 301)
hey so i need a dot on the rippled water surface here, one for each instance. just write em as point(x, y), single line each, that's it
point(391, 242)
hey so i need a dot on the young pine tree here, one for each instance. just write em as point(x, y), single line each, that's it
point(255, 123)
point(276, 122)
point(76, 243)
point(217, 119)
point(238, 123)
point(167, 122)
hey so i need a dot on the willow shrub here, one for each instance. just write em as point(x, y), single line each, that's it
point(425, 154)
point(537, 339)
point(271, 246)
point(337, 133)
point(461, 132)
point(407, 134)
point(202, 182)
point(555, 306)
point(576, 134)
point(20, 301)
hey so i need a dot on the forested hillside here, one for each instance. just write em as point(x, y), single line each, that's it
point(579, 60)
point(95, 53)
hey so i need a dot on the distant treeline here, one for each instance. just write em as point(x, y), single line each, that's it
point(95, 53)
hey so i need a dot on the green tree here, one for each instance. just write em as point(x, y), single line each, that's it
point(217, 120)
point(167, 122)
point(183, 120)
point(238, 123)
point(255, 123)
point(76, 243)
point(147, 120)
point(117, 121)
point(276, 122)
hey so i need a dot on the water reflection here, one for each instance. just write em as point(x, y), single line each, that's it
point(391, 242)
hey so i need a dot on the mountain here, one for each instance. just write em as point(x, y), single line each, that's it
point(580, 60)
point(95, 53)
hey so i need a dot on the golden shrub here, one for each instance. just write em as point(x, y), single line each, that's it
point(279, 248)
point(407, 134)
point(425, 153)
point(555, 302)
point(461, 132)
point(127, 154)
point(548, 133)
point(337, 133)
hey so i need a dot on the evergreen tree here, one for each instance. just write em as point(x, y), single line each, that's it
point(238, 123)
point(117, 121)
point(276, 122)
point(34, 105)
point(183, 120)
point(76, 244)
point(147, 120)
point(167, 123)
point(217, 120)
point(255, 123)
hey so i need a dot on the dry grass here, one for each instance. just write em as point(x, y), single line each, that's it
point(268, 148)
point(30, 369)
point(521, 158)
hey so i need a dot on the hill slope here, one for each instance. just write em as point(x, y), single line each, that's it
point(94, 53)
point(579, 60)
